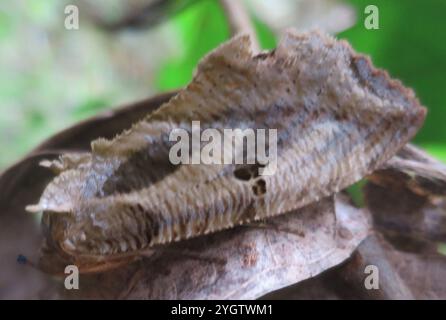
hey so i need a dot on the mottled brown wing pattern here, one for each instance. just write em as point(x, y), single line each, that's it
point(337, 119)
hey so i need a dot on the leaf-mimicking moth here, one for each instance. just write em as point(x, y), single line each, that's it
point(337, 119)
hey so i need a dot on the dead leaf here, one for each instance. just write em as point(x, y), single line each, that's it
point(243, 263)
point(407, 204)
point(414, 169)
point(407, 199)
point(347, 280)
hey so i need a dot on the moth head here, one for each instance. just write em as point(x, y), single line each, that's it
point(64, 232)
point(54, 224)
point(61, 249)
point(52, 258)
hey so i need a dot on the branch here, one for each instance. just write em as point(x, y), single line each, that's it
point(240, 22)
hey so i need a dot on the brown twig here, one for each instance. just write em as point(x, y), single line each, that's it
point(239, 21)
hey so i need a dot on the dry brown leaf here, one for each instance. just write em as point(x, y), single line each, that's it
point(410, 220)
point(407, 200)
point(414, 169)
point(424, 273)
point(408, 209)
point(243, 263)
point(408, 206)
point(347, 281)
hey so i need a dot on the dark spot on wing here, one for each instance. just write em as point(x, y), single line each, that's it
point(259, 187)
point(142, 169)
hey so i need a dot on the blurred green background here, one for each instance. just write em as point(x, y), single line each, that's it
point(51, 77)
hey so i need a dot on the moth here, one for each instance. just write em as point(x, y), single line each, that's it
point(337, 119)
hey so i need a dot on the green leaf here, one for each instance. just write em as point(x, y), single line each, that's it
point(356, 193)
point(436, 150)
point(91, 107)
point(441, 248)
point(201, 28)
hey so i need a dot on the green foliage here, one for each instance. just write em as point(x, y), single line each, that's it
point(201, 28)
point(356, 193)
point(437, 150)
point(267, 38)
point(91, 107)
point(441, 248)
